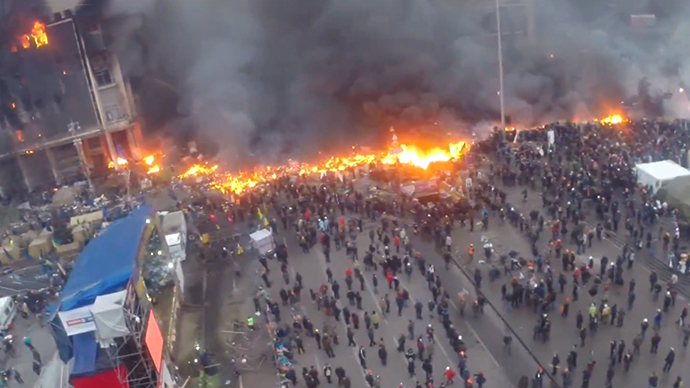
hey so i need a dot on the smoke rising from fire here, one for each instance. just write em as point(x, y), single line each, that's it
point(268, 77)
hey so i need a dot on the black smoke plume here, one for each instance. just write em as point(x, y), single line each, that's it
point(269, 78)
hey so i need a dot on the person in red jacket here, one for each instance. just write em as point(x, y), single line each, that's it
point(450, 375)
point(389, 278)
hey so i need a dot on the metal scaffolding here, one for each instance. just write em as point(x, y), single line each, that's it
point(130, 351)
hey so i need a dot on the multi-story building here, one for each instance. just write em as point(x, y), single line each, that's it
point(66, 110)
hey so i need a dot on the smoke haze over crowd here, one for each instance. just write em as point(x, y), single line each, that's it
point(269, 77)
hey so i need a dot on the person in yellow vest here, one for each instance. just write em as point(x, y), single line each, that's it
point(250, 322)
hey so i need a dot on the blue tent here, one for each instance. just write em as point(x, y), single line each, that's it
point(103, 267)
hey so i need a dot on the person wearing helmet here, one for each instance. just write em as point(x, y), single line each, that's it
point(449, 375)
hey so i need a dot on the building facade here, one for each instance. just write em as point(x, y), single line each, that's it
point(67, 110)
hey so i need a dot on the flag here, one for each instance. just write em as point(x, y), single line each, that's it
point(55, 241)
point(262, 218)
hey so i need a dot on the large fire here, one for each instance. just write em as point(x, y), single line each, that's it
point(153, 167)
point(612, 119)
point(404, 154)
point(38, 36)
point(408, 155)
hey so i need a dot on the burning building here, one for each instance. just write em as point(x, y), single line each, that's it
point(66, 110)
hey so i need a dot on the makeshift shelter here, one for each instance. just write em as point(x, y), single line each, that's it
point(174, 228)
point(263, 241)
point(103, 267)
point(676, 193)
point(656, 174)
point(109, 317)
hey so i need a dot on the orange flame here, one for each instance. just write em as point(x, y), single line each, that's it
point(119, 161)
point(38, 35)
point(25, 41)
point(416, 157)
point(153, 170)
point(407, 155)
point(150, 161)
point(198, 169)
point(612, 119)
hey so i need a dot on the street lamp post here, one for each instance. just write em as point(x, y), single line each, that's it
point(500, 65)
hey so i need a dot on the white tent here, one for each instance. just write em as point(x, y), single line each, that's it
point(174, 228)
point(263, 240)
point(176, 246)
point(655, 174)
point(109, 317)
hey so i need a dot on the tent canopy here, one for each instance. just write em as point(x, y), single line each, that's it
point(676, 193)
point(109, 316)
point(663, 170)
point(656, 174)
point(173, 239)
point(106, 263)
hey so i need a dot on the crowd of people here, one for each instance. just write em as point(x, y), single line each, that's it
point(389, 257)
point(588, 187)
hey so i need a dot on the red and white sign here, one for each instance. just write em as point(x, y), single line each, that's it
point(77, 321)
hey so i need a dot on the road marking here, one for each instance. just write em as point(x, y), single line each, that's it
point(26, 268)
point(318, 364)
point(355, 350)
point(439, 343)
point(240, 381)
point(9, 289)
point(382, 315)
point(473, 332)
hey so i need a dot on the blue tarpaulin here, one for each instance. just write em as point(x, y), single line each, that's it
point(85, 350)
point(103, 267)
point(105, 264)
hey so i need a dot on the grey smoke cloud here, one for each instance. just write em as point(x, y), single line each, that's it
point(261, 76)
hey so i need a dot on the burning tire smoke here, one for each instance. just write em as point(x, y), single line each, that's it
point(272, 78)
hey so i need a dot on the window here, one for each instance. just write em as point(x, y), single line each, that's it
point(112, 113)
point(103, 78)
